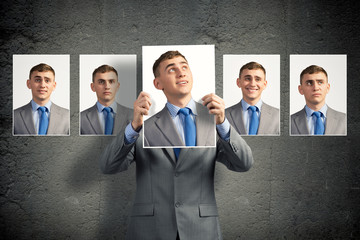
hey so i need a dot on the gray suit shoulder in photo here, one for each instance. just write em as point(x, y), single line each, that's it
point(90, 124)
point(160, 130)
point(335, 123)
point(59, 121)
point(269, 119)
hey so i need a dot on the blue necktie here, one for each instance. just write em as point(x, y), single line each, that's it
point(254, 121)
point(44, 121)
point(189, 130)
point(319, 125)
point(109, 121)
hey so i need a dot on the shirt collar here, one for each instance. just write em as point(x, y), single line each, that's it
point(245, 105)
point(173, 110)
point(309, 111)
point(35, 106)
point(101, 107)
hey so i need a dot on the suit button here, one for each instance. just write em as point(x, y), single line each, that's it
point(177, 204)
point(176, 174)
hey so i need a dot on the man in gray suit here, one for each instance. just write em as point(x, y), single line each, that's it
point(252, 81)
point(94, 120)
point(41, 116)
point(316, 118)
point(175, 196)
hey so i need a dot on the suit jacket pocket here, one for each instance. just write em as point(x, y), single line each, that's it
point(208, 210)
point(143, 209)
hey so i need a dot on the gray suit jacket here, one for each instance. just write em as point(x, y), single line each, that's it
point(59, 121)
point(90, 124)
point(160, 130)
point(175, 195)
point(335, 123)
point(269, 119)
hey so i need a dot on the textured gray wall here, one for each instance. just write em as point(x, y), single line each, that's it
point(299, 187)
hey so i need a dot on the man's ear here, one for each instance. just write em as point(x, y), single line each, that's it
point(28, 84)
point(157, 84)
point(328, 88)
point(300, 90)
point(92, 87)
point(238, 82)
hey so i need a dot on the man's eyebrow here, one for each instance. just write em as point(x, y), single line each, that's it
point(111, 79)
point(173, 64)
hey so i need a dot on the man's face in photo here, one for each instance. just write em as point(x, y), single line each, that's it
point(106, 86)
point(252, 83)
point(175, 78)
point(314, 87)
point(42, 84)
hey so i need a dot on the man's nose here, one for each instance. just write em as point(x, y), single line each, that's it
point(253, 82)
point(316, 86)
point(182, 72)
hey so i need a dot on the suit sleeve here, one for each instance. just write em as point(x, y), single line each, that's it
point(236, 154)
point(117, 156)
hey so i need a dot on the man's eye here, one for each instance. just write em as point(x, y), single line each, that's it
point(171, 70)
point(101, 81)
point(184, 67)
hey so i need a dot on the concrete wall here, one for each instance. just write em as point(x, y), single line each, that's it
point(299, 187)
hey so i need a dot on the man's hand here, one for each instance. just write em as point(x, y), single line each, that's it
point(216, 106)
point(141, 107)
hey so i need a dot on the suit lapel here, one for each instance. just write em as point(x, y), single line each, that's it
point(93, 119)
point(166, 126)
point(264, 118)
point(331, 121)
point(169, 152)
point(203, 128)
point(182, 155)
point(120, 120)
point(300, 121)
point(237, 118)
point(28, 120)
point(53, 120)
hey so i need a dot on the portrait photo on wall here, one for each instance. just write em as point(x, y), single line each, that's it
point(251, 91)
point(179, 77)
point(318, 95)
point(41, 95)
point(107, 93)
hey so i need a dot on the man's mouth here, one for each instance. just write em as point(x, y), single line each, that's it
point(181, 82)
point(107, 93)
point(252, 89)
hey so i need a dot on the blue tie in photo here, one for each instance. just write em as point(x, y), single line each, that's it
point(319, 125)
point(189, 130)
point(109, 121)
point(254, 121)
point(44, 121)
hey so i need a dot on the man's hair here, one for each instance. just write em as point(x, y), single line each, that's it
point(311, 70)
point(251, 66)
point(163, 57)
point(42, 67)
point(103, 69)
